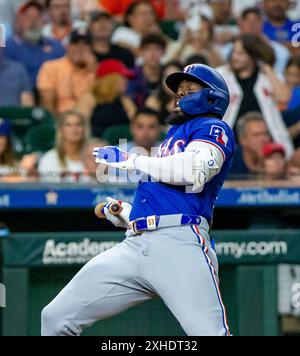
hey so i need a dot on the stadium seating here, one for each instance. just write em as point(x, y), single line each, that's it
point(23, 119)
point(39, 138)
point(169, 27)
point(114, 133)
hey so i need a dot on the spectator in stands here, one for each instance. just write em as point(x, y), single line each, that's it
point(81, 9)
point(140, 21)
point(274, 161)
point(107, 104)
point(293, 167)
point(15, 84)
point(101, 28)
point(253, 136)
point(65, 161)
point(293, 79)
point(197, 39)
point(195, 59)
point(147, 76)
point(251, 23)
point(61, 24)
point(118, 8)
point(90, 166)
point(225, 31)
point(7, 161)
point(28, 165)
point(278, 27)
point(163, 101)
point(291, 116)
point(189, 8)
point(62, 83)
point(28, 45)
point(145, 130)
point(254, 86)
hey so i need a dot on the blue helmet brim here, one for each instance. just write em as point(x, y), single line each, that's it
point(173, 81)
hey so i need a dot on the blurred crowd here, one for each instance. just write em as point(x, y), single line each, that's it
point(99, 67)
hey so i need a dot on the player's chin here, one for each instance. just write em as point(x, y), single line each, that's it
point(177, 117)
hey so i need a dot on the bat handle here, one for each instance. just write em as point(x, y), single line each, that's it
point(114, 209)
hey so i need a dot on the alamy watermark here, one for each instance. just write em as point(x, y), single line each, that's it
point(296, 296)
point(2, 296)
point(296, 37)
point(2, 35)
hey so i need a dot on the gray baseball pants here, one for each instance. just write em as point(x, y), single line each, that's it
point(177, 264)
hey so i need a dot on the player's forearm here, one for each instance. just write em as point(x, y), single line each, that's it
point(200, 163)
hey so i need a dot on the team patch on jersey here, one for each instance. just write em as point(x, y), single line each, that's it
point(219, 134)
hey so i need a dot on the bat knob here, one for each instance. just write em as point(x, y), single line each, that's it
point(115, 209)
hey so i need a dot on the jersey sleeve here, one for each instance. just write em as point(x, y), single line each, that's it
point(215, 133)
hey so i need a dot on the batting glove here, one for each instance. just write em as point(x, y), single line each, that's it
point(121, 220)
point(114, 157)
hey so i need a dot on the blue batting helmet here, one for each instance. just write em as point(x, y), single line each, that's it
point(213, 99)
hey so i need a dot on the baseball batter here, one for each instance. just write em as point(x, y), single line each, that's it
point(167, 251)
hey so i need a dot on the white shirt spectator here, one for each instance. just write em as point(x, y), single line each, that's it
point(6, 170)
point(51, 169)
point(126, 35)
point(264, 93)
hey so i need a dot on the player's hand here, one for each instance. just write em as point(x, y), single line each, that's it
point(114, 157)
point(121, 220)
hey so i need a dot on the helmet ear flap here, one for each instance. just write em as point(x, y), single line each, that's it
point(211, 98)
point(206, 101)
point(196, 104)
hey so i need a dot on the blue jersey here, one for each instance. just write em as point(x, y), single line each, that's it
point(33, 56)
point(164, 199)
point(281, 34)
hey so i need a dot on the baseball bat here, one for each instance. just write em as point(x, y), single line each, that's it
point(114, 209)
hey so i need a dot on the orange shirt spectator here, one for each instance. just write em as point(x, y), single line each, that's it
point(66, 81)
point(119, 7)
point(62, 83)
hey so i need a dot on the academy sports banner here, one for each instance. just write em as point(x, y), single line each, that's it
point(76, 249)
